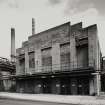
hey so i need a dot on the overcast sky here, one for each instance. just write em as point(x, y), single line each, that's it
point(47, 14)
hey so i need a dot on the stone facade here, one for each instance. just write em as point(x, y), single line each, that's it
point(63, 49)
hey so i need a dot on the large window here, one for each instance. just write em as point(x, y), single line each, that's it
point(46, 59)
point(47, 63)
point(65, 61)
point(31, 60)
point(65, 56)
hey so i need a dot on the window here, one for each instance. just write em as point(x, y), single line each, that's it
point(31, 60)
point(65, 61)
point(65, 56)
point(46, 59)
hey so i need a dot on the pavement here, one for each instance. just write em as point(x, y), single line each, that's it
point(67, 99)
point(23, 102)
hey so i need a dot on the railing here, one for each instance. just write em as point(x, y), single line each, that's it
point(62, 67)
point(6, 61)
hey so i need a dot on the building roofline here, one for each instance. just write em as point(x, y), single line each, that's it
point(90, 26)
point(76, 24)
point(67, 23)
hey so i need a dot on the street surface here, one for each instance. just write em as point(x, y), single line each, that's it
point(22, 102)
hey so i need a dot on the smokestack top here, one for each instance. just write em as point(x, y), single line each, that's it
point(33, 26)
point(12, 32)
point(12, 28)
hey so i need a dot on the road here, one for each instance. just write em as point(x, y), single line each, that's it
point(22, 102)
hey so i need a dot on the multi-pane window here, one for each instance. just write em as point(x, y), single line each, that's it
point(47, 63)
point(65, 56)
point(65, 61)
point(31, 60)
point(46, 59)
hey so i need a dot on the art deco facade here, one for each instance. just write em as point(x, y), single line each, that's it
point(60, 60)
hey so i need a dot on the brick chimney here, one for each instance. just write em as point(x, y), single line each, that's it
point(13, 45)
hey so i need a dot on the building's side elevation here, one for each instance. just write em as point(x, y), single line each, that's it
point(61, 60)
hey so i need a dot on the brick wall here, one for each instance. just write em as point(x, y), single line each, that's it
point(59, 34)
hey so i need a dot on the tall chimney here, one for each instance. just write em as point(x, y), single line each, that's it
point(33, 26)
point(12, 44)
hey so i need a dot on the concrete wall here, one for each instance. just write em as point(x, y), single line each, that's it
point(73, 53)
point(26, 61)
point(94, 50)
point(94, 55)
point(75, 33)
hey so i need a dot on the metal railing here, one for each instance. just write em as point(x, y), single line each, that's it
point(67, 66)
point(6, 61)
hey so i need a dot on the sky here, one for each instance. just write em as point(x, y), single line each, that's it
point(47, 13)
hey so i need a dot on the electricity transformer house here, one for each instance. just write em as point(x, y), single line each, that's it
point(61, 60)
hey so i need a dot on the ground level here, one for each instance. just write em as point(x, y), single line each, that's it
point(75, 82)
point(22, 102)
point(29, 99)
point(62, 85)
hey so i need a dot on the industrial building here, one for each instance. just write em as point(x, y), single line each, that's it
point(61, 60)
point(7, 68)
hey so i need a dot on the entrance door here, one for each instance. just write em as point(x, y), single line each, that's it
point(65, 86)
point(46, 86)
point(83, 86)
point(80, 87)
point(74, 86)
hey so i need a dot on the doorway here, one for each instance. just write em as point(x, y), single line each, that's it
point(83, 86)
point(46, 86)
point(65, 86)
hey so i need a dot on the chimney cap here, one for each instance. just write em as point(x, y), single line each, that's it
point(33, 26)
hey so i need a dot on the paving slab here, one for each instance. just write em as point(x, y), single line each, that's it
point(69, 99)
